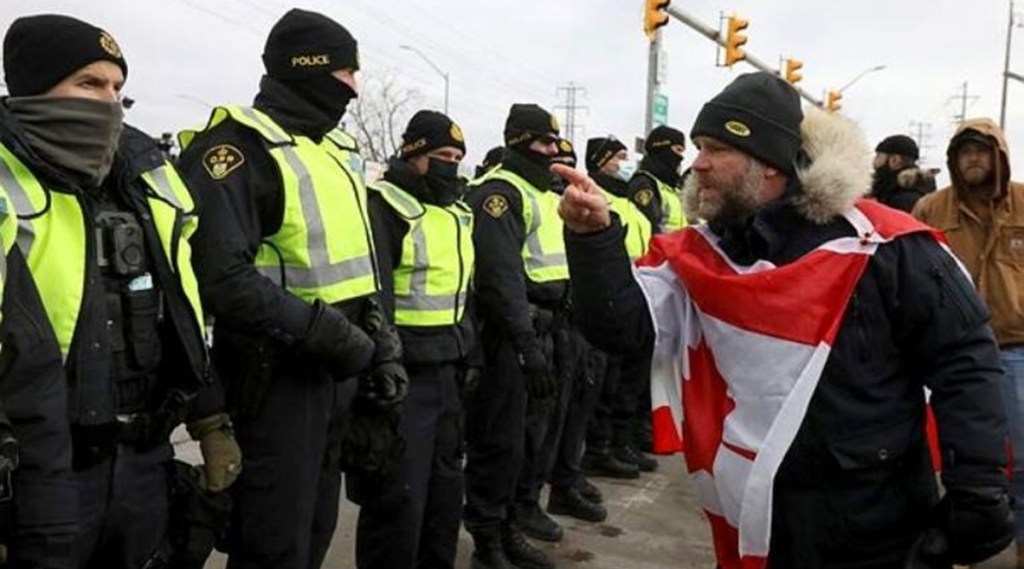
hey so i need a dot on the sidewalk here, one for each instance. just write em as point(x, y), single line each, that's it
point(653, 523)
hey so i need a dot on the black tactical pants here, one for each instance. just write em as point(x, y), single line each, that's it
point(583, 398)
point(495, 416)
point(123, 508)
point(412, 519)
point(286, 482)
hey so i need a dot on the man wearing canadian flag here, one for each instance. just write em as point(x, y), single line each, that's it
point(794, 340)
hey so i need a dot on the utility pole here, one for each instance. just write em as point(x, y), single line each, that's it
point(652, 80)
point(920, 131)
point(570, 107)
point(964, 97)
point(1006, 67)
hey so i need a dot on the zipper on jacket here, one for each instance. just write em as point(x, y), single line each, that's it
point(946, 291)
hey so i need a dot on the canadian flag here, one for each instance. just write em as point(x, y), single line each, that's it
point(738, 354)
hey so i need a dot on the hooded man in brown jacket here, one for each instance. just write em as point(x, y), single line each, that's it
point(982, 215)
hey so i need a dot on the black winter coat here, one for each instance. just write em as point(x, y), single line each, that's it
point(856, 486)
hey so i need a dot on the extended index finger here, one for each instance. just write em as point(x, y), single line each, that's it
point(574, 177)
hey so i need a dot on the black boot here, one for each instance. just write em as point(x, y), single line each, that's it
point(626, 453)
point(520, 552)
point(535, 523)
point(568, 501)
point(488, 552)
point(606, 464)
point(589, 491)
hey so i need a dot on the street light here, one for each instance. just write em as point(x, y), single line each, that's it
point(435, 67)
point(862, 74)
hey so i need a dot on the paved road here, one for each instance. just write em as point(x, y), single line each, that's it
point(653, 523)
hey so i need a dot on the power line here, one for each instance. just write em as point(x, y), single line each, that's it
point(570, 107)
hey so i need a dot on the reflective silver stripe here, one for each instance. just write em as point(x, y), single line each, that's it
point(545, 261)
point(164, 187)
point(532, 238)
point(418, 279)
point(416, 302)
point(321, 271)
point(411, 208)
point(317, 277)
point(276, 135)
point(22, 205)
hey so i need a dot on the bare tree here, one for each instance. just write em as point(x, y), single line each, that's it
point(380, 115)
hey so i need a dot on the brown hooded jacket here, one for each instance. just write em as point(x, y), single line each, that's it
point(992, 251)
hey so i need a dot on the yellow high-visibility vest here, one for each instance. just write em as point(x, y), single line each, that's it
point(324, 247)
point(544, 249)
point(434, 272)
point(51, 234)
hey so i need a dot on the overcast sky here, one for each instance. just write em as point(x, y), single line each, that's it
point(186, 54)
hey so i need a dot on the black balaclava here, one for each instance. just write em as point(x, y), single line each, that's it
point(302, 51)
point(428, 131)
point(526, 123)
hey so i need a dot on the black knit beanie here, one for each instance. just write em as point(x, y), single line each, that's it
point(600, 150)
point(41, 51)
point(429, 130)
point(527, 122)
point(900, 144)
point(663, 138)
point(305, 43)
point(759, 114)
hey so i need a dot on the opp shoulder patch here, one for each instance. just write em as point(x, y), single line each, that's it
point(221, 160)
point(644, 197)
point(496, 205)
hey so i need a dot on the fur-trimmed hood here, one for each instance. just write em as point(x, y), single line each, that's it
point(836, 175)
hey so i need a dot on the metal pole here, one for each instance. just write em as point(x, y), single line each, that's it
point(652, 81)
point(1006, 69)
point(713, 35)
point(446, 94)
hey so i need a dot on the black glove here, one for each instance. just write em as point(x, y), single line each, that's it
point(387, 383)
point(540, 381)
point(973, 524)
point(345, 348)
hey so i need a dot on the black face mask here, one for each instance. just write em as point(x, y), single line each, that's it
point(442, 179)
point(325, 92)
point(670, 160)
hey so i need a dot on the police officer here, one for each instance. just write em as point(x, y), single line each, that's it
point(580, 369)
point(103, 228)
point(287, 268)
point(654, 187)
point(520, 282)
point(423, 235)
point(610, 447)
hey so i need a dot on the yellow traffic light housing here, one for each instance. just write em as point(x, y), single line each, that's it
point(792, 68)
point(654, 16)
point(832, 101)
point(734, 40)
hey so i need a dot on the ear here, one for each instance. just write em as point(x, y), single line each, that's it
point(771, 172)
point(895, 161)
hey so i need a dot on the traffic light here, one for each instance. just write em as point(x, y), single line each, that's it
point(792, 67)
point(654, 16)
point(734, 39)
point(832, 101)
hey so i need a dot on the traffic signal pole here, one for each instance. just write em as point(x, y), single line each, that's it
point(713, 35)
point(652, 80)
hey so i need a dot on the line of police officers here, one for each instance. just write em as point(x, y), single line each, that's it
point(372, 330)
